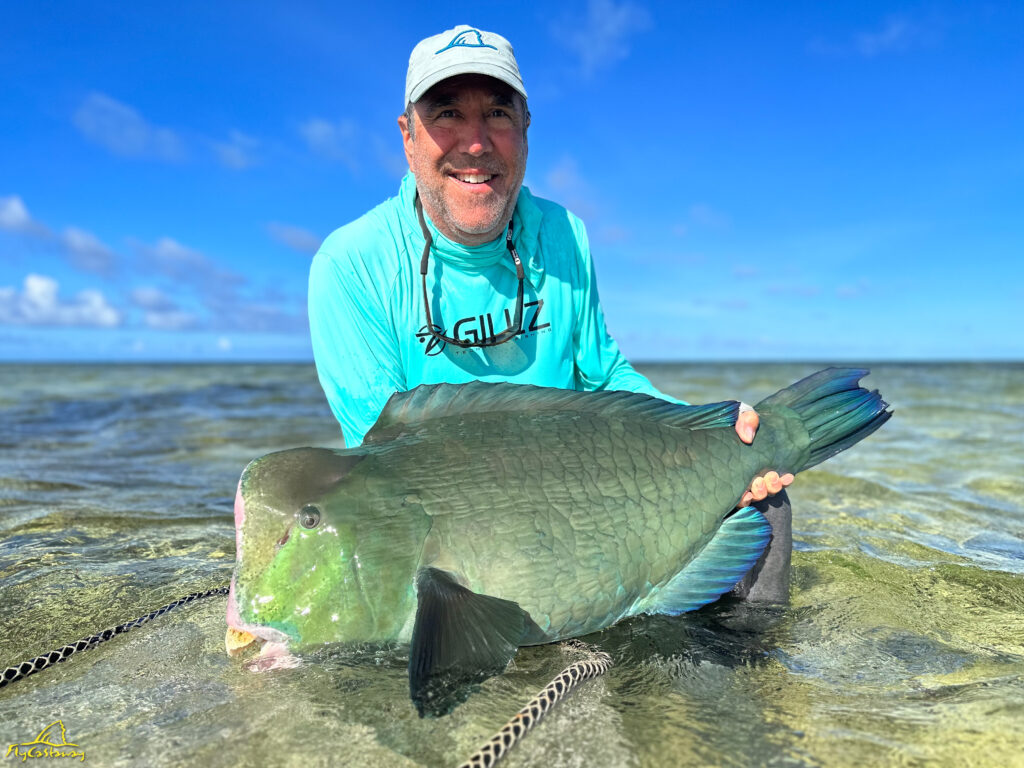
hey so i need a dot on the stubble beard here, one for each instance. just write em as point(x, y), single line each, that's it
point(498, 210)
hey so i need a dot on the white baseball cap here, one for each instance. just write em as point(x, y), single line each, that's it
point(460, 51)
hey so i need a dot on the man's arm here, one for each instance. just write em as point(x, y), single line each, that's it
point(599, 362)
point(354, 347)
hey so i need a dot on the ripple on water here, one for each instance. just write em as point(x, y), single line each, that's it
point(904, 643)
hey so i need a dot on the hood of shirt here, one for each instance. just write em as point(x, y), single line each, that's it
point(526, 222)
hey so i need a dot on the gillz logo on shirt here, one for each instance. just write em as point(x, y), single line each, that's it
point(476, 328)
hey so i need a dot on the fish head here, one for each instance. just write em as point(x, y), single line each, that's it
point(307, 567)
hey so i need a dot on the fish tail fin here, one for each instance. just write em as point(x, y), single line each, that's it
point(835, 411)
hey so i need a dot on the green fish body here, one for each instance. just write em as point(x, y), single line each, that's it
point(481, 517)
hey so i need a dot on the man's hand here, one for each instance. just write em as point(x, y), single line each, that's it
point(764, 486)
point(769, 483)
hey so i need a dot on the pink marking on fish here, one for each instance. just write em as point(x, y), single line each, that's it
point(271, 636)
point(273, 656)
point(234, 620)
point(239, 519)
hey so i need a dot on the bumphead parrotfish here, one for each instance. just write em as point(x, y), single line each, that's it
point(477, 518)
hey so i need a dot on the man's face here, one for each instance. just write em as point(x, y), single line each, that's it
point(468, 153)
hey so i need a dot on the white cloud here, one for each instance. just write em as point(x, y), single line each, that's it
point(174, 259)
point(237, 152)
point(224, 344)
point(565, 176)
point(161, 312)
point(390, 156)
point(296, 238)
point(84, 250)
point(217, 298)
point(189, 266)
point(151, 298)
point(123, 131)
point(564, 183)
point(256, 315)
point(895, 35)
point(333, 140)
point(342, 141)
point(38, 303)
point(172, 320)
point(14, 216)
point(87, 252)
point(602, 38)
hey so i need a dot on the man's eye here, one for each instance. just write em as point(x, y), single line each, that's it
point(446, 113)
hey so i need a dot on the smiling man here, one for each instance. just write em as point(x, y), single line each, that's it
point(470, 156)
point(465, 275)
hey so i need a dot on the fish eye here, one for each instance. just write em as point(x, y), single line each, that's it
point(309, 516)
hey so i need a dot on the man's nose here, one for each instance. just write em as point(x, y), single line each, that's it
point(476, 139)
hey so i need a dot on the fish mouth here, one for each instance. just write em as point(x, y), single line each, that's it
point(237, 641)
point(241, 635)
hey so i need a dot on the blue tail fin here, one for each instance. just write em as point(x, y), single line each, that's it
point(835, 411)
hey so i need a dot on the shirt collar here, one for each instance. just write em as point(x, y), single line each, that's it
point(526, 221)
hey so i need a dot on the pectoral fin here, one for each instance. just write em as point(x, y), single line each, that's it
point(459, 637)
point(737, 545)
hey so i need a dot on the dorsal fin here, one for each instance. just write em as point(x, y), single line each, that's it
point(436, 401)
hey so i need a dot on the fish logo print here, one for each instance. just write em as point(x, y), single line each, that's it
point(462, 40)
point(45, 745)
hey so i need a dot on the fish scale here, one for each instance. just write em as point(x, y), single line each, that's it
point(479, 517)
point(489, 524)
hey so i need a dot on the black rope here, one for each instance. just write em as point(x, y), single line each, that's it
point(485, 757)
point(500, 743)
point(26, 668)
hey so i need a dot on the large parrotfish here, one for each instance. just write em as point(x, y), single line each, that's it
point(478, 518)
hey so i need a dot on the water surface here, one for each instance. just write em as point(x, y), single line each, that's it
point(903, 644)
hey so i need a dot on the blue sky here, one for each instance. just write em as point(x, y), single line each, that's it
point(826, 181)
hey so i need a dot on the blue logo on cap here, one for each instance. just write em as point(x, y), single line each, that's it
point(462, 40)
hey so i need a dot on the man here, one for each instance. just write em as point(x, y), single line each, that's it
point(465, 274)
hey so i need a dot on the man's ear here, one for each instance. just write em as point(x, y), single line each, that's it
point(407, 139)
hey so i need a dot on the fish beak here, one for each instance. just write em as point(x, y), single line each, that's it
point(273, 654)
point(237, 641)
point(242, 635)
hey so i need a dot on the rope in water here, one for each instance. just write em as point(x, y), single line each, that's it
point(26, 668)
point(527, 717)
point(485, 757)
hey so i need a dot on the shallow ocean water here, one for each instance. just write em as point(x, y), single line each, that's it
point(903, 643)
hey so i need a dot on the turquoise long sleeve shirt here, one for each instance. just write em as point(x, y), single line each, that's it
point(368, 324)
